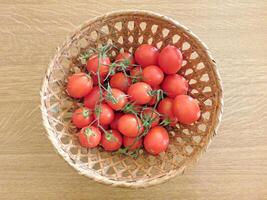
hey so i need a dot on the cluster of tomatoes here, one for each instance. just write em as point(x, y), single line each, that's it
point(128, 103)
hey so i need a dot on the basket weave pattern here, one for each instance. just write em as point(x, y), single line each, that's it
point(127, 30)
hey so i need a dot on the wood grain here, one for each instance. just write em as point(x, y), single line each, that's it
point(235, 165)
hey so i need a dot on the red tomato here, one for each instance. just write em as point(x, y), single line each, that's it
point(79, 85)
point(126, 58)
point(89, 136)
point(136, 74)
point(139, 93)
point(116, 99)
point(146, 55)
point(111, 140)
point(120, 81)
point(132, 143)
point(186, 109)
point(174, 85)
point(92, 65)
point(82, 117)
point(156, 140)
point(154, 97)
point(95, 79)
point(92, 98)
point(114, 123)
point(152, 75)
point(165, 108)
point(150, 116)
point(106, 115)
point(170, 59)
point(130, 125)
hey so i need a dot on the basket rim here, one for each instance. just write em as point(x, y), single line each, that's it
point(124, 183)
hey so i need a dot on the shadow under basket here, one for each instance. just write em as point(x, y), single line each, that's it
point(127, 30)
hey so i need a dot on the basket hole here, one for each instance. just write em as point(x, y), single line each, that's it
point(83, 43)
point(110, 171)
point(175, 38)
point(131, 25)
point(193, 55)
point(188, 71)
point(207, 89)
point(74, 52)
point(130, 39)
point(186, 131)
point(202, 127)
point(84, 159)
point(93, 35)
point(205, 78)
point(118, 26)
point(184, 62)
point(179, 140)
point(208, 102)
point(131, 50)
point(200, 65)
point(142, 26)
point(141, 39)
point(206, 115)
point(113, 53)
point(159, 44)
point(196, 139)
point(192, 81)
point(105, 29)
point(109, 42)
point(189, 149)
point(74, 150)
point(126, 174)
point(99, 45)
point(154, 28)
point(150, 40)
point(165, 32)
point(96, 166)
point(84, 150)
point(65, 139)
point(194, 91)
point(120, 40)
point(59, 127)
point(140, 173)
point(179, 158)
point(121, 50)
point(185, 46)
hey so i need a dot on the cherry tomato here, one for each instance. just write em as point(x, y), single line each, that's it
point(146, 55)
point(156, 140)
point(116, 99)
point(126, 58)
point(165, 108)
point(150, 116)
point(111, 140)
point(106, 115)
point(95, 79)
point(186, 109)
point(79, 85)
point(92, 98)
point(130, 125)
point(174, 85)
point(136, 74)
point(140, 93)
point(89, 136)
point(170, 59)
point(92, 65)
point(152, 75)
point(132, 142)
point(154, 97)
point(82, 117)
point(114, 123)
point(120, 81)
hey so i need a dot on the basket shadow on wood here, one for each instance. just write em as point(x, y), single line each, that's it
point(127, 30)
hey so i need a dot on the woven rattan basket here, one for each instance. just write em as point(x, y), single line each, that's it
point(127, 30)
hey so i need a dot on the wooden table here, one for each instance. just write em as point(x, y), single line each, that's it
point(235, 165)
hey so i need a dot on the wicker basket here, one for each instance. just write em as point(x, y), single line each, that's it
point(127, 30)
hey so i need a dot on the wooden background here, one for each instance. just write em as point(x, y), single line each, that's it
point(235, 166)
